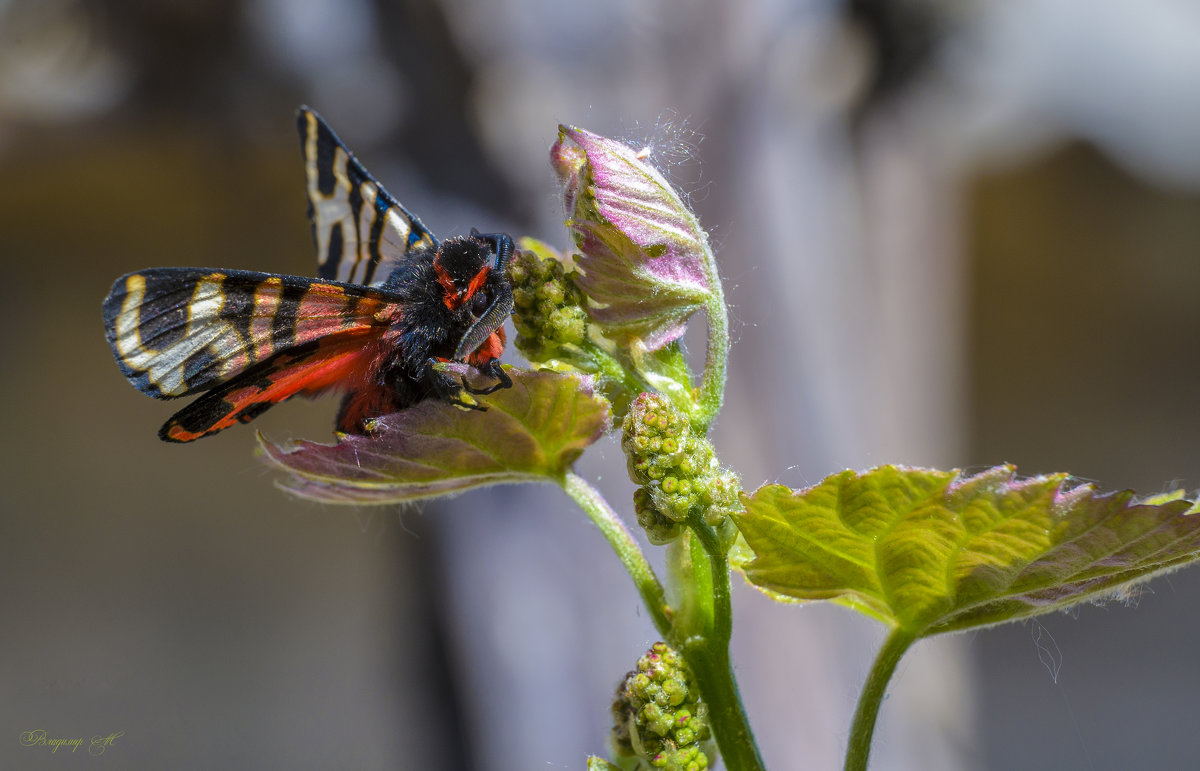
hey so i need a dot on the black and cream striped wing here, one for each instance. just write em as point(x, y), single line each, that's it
point(360, 231)
point(179, 331)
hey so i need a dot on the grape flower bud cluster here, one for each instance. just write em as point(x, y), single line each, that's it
point(677, 471)
point(548, 315)
point(658, 716)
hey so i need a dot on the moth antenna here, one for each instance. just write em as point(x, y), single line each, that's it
point(489, 322)
point(502, 243)
point(504, 250)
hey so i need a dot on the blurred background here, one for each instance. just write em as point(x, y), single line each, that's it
point(953, 234)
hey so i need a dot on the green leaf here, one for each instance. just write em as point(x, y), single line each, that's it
point(533, 431)
point(932, 551)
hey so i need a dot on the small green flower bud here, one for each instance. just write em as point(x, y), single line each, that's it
point(676, 692)
point(523, 298)
point(518, 272)
point(656, 719)
point(551, 292)
point(674, 507)
point(690, 758)
point(660, 530)
point(567, 325)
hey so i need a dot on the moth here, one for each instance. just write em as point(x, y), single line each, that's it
point(389, 303)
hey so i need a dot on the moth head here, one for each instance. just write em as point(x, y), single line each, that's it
point(473, 272)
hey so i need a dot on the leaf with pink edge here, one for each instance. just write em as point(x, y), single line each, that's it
point(647, 264)
point(933, 551)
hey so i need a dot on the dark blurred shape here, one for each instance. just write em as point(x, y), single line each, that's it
point(416, 35)
point(1083, 320)
point(190, 59)
point(902, 37)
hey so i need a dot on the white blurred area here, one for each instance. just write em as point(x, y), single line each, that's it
point(839, 217)
point(54, 70)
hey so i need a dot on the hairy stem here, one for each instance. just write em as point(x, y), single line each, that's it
point(714, 673)
point(712, 384)
point(627, 549)
point(863, 729)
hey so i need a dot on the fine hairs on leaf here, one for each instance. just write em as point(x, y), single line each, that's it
point(1047, 649)
point(672, 145)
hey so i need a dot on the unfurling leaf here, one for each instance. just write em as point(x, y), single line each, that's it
point(555, 332)
point(932, 551)
point(533, 431)
point(647, 264)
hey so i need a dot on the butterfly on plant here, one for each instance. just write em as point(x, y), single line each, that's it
point(390, 303)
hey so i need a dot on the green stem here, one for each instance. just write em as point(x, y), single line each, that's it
point(612, 369)
point(863, 728)
point(708, 656)
point(714, 673)
point(718, 565)
point(627, 549)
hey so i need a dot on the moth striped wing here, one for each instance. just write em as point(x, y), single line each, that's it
point(179, 331)
point(360, 231)
point(311, 368)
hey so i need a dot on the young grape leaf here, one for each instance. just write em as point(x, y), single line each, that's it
point(647, 263)
point(533, 431)
point(932, 551)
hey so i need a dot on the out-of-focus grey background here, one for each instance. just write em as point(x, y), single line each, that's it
point(953, 234)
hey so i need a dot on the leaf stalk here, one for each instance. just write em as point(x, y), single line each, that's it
point(858, 750)
point(626, 547)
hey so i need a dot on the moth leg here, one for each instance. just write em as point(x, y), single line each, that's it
point(493, 369)
point(447, 387)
